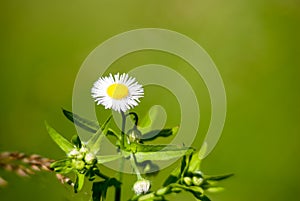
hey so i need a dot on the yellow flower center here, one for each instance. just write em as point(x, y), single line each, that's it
point(117, 91)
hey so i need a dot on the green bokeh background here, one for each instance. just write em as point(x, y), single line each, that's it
point(255, 45)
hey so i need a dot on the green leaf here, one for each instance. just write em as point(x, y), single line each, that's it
point(111, 132)
point(95, 141)
point(180, 171)
point(108, 158)
point(215, 189)
point(60, 163)
point(195, 162)
point(157, 152)
point(202, 151)
point(173, 178)
point(159, 133)
point(62, 142)
point(153, 148)
point(76, 141)
point(155, 118)
point(205, 198)
point(149, 168)
point(218, 178)
point(100, 188)
point(79, 182)
point(195, 190)
point(97, 191)
point(88, 125)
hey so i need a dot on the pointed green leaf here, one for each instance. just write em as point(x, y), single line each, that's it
point(169, 152)
point(60, 163)
point(95, 141)
point(202, 151)
point(173, 178)
point(76, 141)
point(155, 118)
point(88, 125)
point(194, 164)
point(153, 148)
point(111, 132)
point(159, 133)
point(108, 158)
point(205, 198)
point(195, 190)
point(215, 189)
point(79, 182)
point(218, 178)
point(146, 121)
point(62, 142)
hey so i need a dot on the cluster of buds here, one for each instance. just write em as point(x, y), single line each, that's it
point(82, 159)
point(196, 179)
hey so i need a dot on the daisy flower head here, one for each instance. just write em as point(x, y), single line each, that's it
point(118, 92)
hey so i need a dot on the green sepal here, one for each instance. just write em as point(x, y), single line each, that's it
point(62, 142)
point(62, 166)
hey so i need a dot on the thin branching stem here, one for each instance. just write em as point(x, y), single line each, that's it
point(134, 166)
point(136, 118)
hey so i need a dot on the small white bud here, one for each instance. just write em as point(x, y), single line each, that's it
point(197, 181)
point(90, 158)
point(83, 150)
point(141, 186)
point(73, 153)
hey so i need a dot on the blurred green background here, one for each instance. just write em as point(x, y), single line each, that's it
point(255, 45)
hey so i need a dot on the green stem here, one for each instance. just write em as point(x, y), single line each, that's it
point(134, 166)
point(123, 130)
point(136, 117)
point(122, 146)
point(117, 193)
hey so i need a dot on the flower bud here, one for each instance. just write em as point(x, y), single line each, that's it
point(83, 150)
point(73, 153)
point(187, 181)
point(197, 181)
point(79, 165)
point(141, 186)
point(90, 158)
point(134, 135)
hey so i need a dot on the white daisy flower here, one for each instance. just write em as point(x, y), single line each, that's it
point(118, 92)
